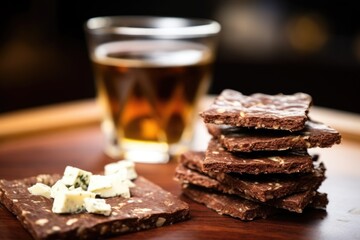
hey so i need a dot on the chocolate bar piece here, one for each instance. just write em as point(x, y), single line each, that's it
point(217, 159)
point(314, 134)
point(257, 187)
point(237, 207)
point(279, 112)
point(320, 201)
point(295, 202)
point(149, 206)
point(231, 205)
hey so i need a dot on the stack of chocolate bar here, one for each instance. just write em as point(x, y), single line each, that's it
point(257, 163)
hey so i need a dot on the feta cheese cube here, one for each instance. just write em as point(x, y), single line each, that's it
point(40, 189)
point(119, 187)
point(126, 167)
point(71, 201)
point(98, 182)
point(58, 187)
point(97, 205)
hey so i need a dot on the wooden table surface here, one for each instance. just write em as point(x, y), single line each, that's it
point(82, 145)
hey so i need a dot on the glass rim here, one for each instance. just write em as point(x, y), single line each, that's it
point(152, 26)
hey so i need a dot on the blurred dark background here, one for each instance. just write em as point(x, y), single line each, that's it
point(265, 46)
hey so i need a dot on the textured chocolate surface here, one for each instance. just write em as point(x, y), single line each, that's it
point(314, 134)
point(149, 206)
point(320, 201)
point(217, 159)
point(230, 205)
point(295, 202)
point(255, 187)
point(238, 207)
point(283, 112)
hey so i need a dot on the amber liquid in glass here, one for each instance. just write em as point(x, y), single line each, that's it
point(150, 90)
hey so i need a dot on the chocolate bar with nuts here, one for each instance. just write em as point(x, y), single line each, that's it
point(279, 112)
point(237, 207)
point(295, 202)
point(148, 207)
point(258, 188)
point(231, 205)
point(218, 159)
point(315, 134)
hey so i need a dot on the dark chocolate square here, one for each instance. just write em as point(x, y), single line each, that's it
point(295, 202)
point(218, 159)
point(315, 134)
point(237, 207)
point(279, 112)
point(257, 188)
point(230, 205)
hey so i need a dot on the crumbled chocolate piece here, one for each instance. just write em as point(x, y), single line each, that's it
point(319, 201)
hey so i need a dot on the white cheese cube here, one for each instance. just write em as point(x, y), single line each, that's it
point(98, 182)
point(76, 177)
point(97, 205)
point(118, 167)
point(119, 187)
point(40, 189)
point(71, 201)
point(58, 187)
